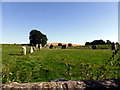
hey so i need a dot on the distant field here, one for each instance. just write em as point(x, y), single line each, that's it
point(49, 64)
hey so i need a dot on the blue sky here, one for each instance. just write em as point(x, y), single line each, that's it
point(65, 22)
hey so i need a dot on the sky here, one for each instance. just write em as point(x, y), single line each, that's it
point(61, 22)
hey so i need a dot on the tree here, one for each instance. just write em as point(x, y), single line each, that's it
point(108, 42)
point(36, 37)
point(87, 43)
point(117, 42)
point(98, 42)
point(59, 44)
point(69, 44)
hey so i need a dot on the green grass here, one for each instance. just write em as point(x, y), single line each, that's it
point(48, 64)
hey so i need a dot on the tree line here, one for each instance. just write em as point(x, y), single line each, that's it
point(99, 42)
point(36, 37)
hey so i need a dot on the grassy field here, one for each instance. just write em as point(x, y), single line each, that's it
point(49, 64)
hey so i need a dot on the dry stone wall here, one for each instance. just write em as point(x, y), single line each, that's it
point(63, 85)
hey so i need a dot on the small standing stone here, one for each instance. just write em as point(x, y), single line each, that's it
point(24, 50)
point(116, 47)
point(94, 46)
point(51, 46)
point(36, 45)
point(34, 49)
point(39, 47)
point(63, 47)
point(113, 46)
point(47, 46)
point(31, 49)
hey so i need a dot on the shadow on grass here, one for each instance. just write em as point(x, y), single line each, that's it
point(107, 83)
point(16, 54)
point(93, 84)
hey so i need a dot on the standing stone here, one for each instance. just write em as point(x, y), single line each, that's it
point(31, 49)
point(51, 46)
point(94, 46)
point(39, 46)
point(47, 46)
point(116, 47)
point(113, 46)
point(24, 50)
point(36, 45)
point(63, 47)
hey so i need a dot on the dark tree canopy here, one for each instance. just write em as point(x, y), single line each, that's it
point(98, 42)
point(69, 44)
point(108, 42)
point(36, 37)
point(59, 44)
point(87, 43)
